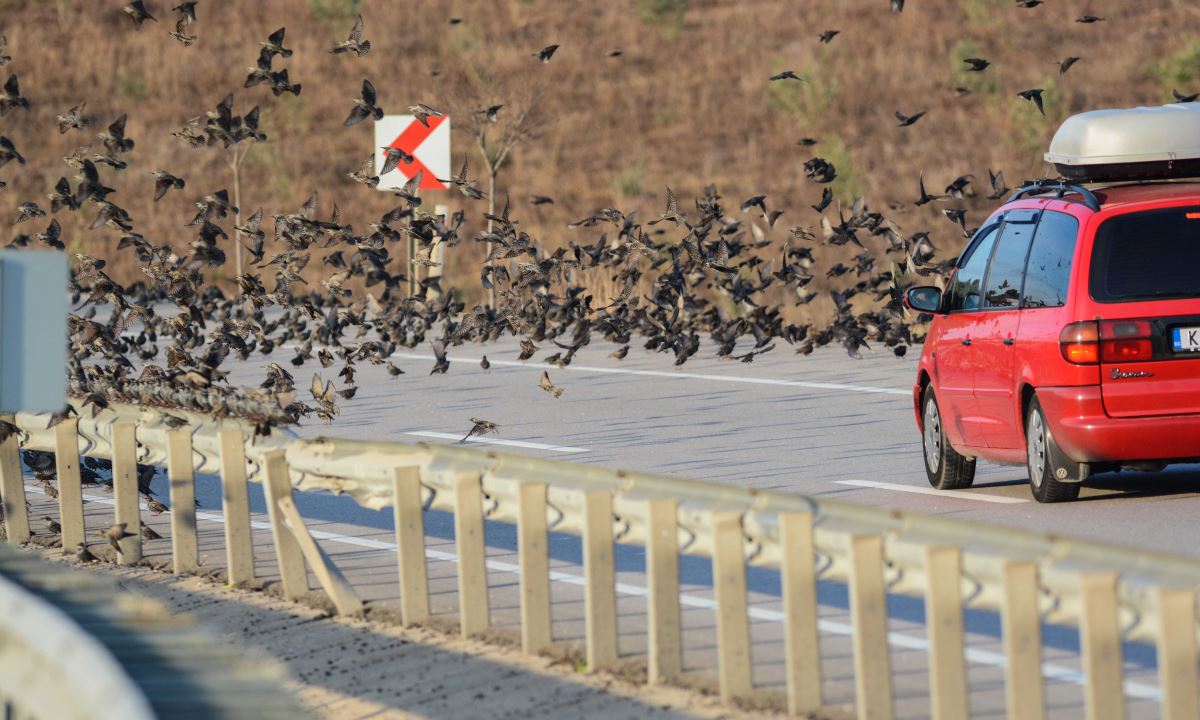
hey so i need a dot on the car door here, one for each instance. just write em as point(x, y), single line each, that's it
point(996, 331)
point(953, 354)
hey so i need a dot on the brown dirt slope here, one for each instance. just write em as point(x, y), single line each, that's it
point(687, 103)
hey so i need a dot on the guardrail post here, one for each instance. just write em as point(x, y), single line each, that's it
point(1100, 644)
point(410, 546)
point(533, 558)
point(70, 489)
point(12, 492)
point(333, 582)
point(472, 558)
point(798, 578)
point(868, 612)
point(125, 490)
point(276, 485)
point(944, 619)
point(664, 656)
point(1177, 653)
point(599, 569)
point(729, 586)
point(180, 473)
point(1022, 631)
point(235, 503)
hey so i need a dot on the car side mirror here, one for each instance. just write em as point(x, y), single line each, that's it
point(924, 298)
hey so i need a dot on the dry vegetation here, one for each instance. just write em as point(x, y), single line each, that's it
point(688, 102)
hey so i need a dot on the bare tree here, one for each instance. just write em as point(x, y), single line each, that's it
point(499, 126)
point(236, 155)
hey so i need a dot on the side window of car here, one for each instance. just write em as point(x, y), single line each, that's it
point(966, 292)
point(1003, 284)
point(1048, 271)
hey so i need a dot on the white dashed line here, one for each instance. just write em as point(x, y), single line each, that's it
point(684, 375)
point(956, 494)
point(494, 441)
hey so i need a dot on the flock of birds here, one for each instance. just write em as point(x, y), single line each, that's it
point(670, 272)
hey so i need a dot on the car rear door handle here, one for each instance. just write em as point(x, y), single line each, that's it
point(966, 341)
point(1009, 341)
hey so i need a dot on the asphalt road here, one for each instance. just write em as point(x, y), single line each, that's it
point(824, 425)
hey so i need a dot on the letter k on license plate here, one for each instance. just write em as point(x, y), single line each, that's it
point(1185, 339)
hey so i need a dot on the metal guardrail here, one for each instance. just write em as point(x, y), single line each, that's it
point(73, 645)
point(1111, 594)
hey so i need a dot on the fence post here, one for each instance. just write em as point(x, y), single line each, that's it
point(410, 545)
point(533, 558)
point(70, 489)
point(472, 557)
point(125, 490)
point(798, 578)
point(868, 612)
point(729, 586)
point(235, 502)
point(277, 485)
point(664, 652)
point(180, 473)
point(1100, 643)
point(1022, 630)
point(12, 492)
point(1177, 653)
point(333, 582)
point(944, 619)
point(600, 599)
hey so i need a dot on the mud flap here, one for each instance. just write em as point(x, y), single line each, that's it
point(1065, 469)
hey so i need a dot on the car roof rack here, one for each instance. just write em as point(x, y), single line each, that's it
point(1060, 190)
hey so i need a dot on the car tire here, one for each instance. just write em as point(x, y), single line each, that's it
point(945, 468)
point(1039, 449)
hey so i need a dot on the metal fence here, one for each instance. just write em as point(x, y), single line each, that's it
point(1111, 594)
point(75, 646)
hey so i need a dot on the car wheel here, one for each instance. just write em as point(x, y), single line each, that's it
point(1040, 447)
point(945, 468)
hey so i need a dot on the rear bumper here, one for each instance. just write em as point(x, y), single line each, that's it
point(1086, 434)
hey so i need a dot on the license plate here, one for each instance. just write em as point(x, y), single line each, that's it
point(1185, 339)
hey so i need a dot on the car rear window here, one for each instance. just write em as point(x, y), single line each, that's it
point(1147, 255)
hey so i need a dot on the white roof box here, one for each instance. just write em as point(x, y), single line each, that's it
point(1144, 143)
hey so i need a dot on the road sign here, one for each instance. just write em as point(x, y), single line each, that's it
point(429, 146)
point(33, 330)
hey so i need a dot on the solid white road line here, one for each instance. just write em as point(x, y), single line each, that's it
point(1051, 671)
point(956, 494)
point(493, 441)
point(673, 374)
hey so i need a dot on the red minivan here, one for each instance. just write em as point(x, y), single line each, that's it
point(1068, 338)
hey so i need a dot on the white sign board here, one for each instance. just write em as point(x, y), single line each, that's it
point(33, 330)
point(428, 143)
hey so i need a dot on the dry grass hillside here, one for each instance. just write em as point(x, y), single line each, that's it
point(685, 104)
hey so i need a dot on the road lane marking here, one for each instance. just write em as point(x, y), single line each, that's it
point(957, 494)
point(496, 441)
point(660, 373)
point(1050, 670)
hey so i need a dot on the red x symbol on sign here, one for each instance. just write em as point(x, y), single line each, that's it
point(409, 141)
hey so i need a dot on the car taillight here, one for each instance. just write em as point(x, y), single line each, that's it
point(1080, 343)
point(1125, 341)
